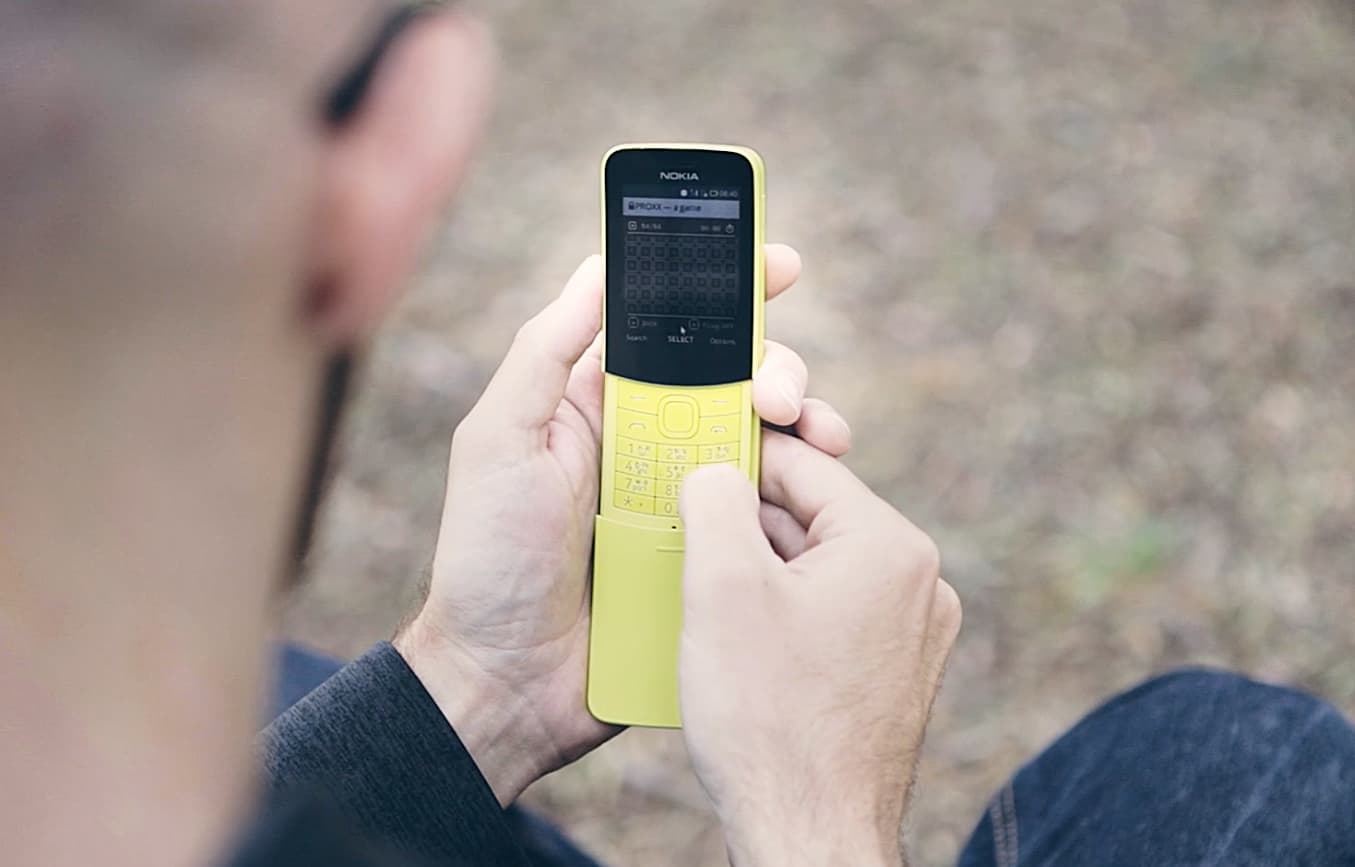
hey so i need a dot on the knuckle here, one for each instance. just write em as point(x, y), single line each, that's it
point(528, 334)
point(926, 554)
point(466, 435)
point(948, 611)
point(921, 557)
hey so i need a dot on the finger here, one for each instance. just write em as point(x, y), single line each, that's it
point(724, 536)
point(823, 427)
point(530, 382)
point(779, 384)
point(584, 391)
point(818, 491)
point(783, 268)
point(788, 538)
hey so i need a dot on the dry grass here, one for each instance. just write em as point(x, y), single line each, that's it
point(1080, 272)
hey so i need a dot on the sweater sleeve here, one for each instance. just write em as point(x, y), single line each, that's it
point(372, 742)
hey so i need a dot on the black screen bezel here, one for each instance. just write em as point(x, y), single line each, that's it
point(675, 364)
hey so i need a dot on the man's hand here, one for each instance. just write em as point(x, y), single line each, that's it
point(502, 641)
point(815, 632)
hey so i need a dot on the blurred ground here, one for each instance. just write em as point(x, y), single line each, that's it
point(1080, 273)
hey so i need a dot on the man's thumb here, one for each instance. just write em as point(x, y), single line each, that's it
point(724, 538)
point(526, 390)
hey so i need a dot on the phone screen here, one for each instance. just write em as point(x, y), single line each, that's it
point(679, 266)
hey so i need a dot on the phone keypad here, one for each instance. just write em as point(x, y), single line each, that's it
point(662, 436)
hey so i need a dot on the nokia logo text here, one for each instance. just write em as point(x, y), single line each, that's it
point(679, 176)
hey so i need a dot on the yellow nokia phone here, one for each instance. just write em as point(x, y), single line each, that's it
point(682, 234)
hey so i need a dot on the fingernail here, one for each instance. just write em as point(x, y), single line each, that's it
point(788, 392)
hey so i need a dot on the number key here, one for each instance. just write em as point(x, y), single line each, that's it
point(634, 484)
point(677, 454)
point(635, 448)
point(724, 453)
point(674, 472)
point(635, 467)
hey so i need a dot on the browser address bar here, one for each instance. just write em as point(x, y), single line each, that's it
point(714, 209)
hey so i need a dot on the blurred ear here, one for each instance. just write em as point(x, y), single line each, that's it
point(389, 169)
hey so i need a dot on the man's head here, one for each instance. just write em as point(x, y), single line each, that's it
point(192, 230)
point(220, 162)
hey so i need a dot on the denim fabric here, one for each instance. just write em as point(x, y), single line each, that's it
point(299, 671)
point(1193, 768)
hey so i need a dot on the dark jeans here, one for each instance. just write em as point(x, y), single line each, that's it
point(1194, 768)
point(300, 671)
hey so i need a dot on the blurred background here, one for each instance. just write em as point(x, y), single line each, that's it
point(1079, 272)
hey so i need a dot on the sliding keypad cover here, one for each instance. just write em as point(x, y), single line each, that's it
point(654, 436)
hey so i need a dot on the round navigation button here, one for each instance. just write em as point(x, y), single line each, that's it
point(678, 416)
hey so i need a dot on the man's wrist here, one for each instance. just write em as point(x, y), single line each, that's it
point(797, 843)
point(487, 718)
